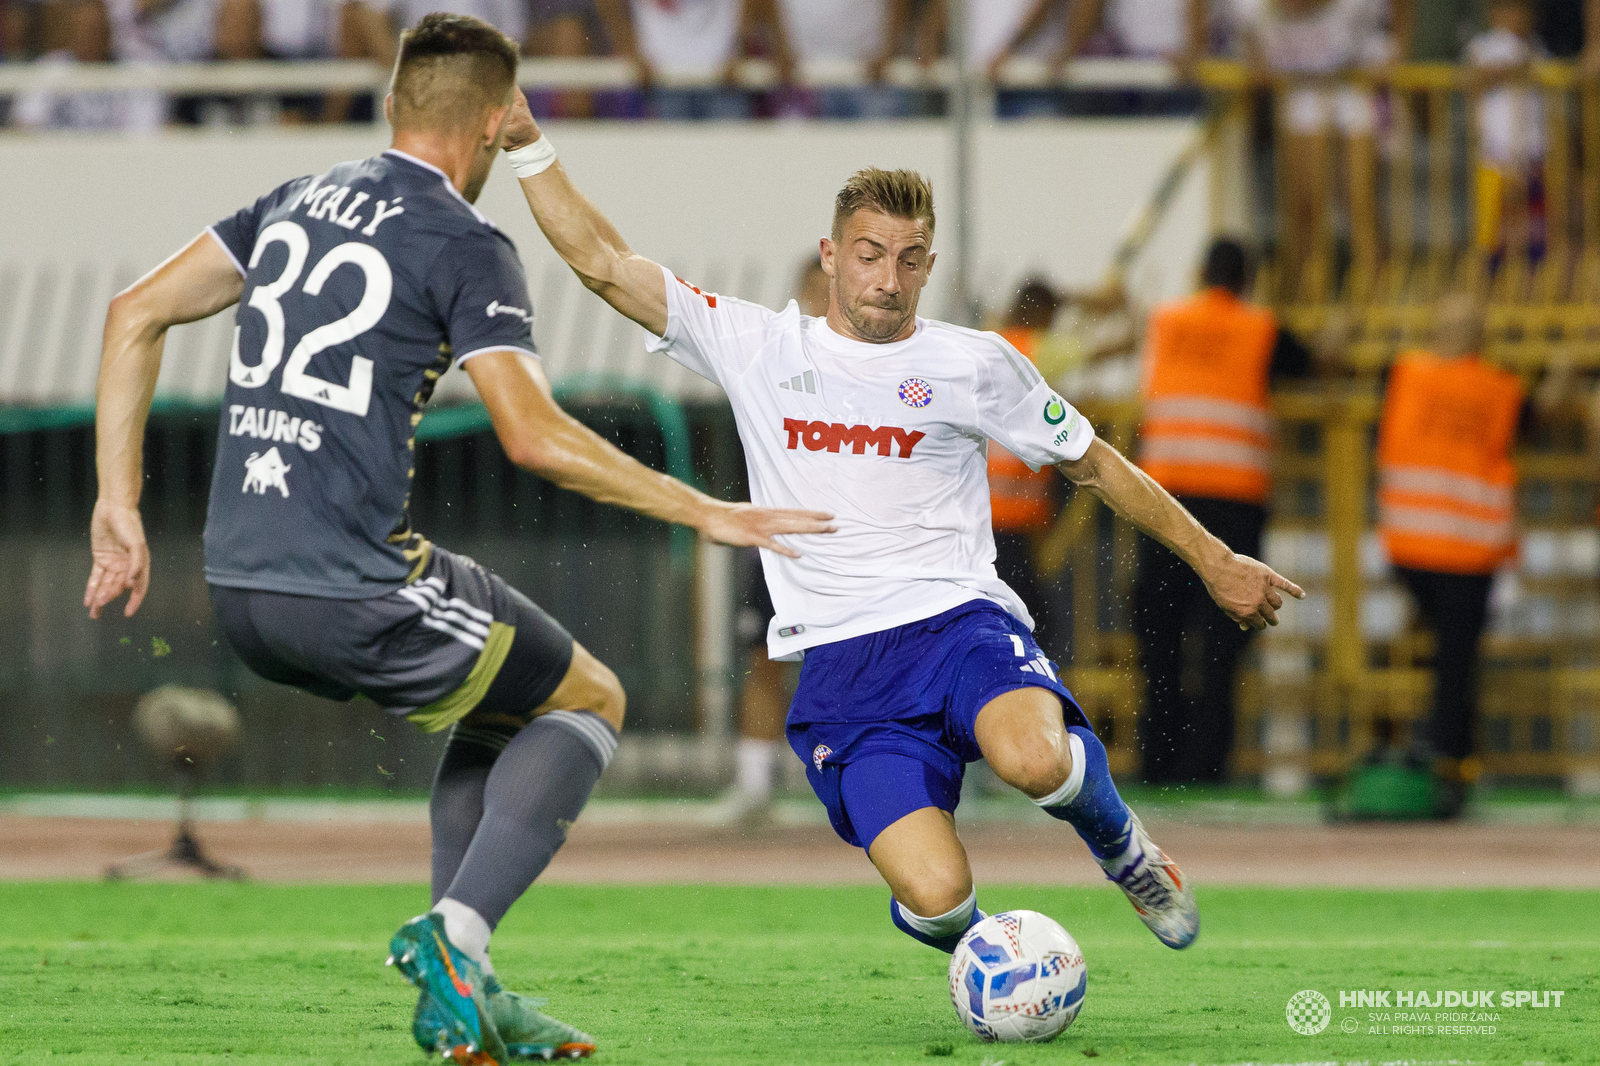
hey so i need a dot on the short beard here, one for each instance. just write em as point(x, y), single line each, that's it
point(874, 330)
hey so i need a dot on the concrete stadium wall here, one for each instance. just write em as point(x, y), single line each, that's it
point(733, 206)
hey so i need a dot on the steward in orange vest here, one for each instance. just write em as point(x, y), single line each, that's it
point(1022, 502)
point(1446, 510)
point(1206, 438)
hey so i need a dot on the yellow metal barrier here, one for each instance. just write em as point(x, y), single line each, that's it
point(1312, 690)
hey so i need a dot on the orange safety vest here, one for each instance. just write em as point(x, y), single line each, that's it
point(1207, 429)
point(1446, 483)
point(1020, 499)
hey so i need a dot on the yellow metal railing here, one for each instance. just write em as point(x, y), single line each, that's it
point(1311, 693)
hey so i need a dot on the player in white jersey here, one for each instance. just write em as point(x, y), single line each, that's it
point(917, 658)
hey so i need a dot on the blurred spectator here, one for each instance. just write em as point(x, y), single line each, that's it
point(764, 700)
point(1023, 501)
point(306, 29)
point(694, 38)
point(1141, 29)
point(1313, 42)
point(854, 31)
point(18, 19)
point(510, 17)
point(912, 27)
point(1569, 30)
point(176, 31)
point(576, 28)
point(1446, 511)
point(1510, 119)
point(88, 39)
point(1436, 31)
point(1207, 439)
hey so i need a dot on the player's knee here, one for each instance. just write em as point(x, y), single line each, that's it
point(1034, 769)
point(935, 896)
point(609, 701)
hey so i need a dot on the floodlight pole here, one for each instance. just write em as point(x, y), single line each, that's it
point(964, 305)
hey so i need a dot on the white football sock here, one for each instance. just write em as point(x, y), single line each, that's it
point(467, 931)
point(1074, 783)
point(755, 764)
point(952, 921)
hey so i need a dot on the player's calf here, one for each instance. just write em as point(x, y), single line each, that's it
point(1020, 735)
point(1062, 769)
point(942, 931)
point(922, 859)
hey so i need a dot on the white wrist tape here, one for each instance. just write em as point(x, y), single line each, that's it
point(533, 158)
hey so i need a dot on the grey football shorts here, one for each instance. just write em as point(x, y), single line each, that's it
point(456, 640)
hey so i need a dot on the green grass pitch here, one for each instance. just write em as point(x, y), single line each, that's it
point(259, 974)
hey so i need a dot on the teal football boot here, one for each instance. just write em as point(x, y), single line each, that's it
point(463, 1028)
point(528, 1034)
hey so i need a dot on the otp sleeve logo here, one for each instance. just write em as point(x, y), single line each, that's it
point(914, 392)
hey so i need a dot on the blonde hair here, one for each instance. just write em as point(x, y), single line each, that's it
point(898, 193)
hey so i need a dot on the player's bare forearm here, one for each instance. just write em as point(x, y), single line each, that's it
point(1245, 588)
point(585, 239)
point(539, 436)
point(198, 281)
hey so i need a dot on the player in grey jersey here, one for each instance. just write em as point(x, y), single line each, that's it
point(357, 289)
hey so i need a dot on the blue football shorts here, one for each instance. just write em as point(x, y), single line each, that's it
point(884, 722)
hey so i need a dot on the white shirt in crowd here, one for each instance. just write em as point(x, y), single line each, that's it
point(992, 23)
point(510, 17)
point(835, 29)
point(1510, 117)
point(300, 29)
point(689, 37)
point(181, 32)
point(1340, 35)
point(1148, 29)
point(891, 439)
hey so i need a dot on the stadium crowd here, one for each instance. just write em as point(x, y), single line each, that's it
point(684, 54)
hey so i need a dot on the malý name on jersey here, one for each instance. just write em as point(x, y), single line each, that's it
point(327, 203)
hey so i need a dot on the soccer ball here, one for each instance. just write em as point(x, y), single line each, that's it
point(1018, 976)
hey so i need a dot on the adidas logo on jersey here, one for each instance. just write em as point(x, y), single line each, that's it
point(806, 382)
point(832, 436)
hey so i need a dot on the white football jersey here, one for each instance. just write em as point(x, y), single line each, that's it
point(891, 439)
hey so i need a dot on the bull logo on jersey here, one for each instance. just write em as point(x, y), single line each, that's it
point(263, 472)
point(819, 755)
point(832, 436)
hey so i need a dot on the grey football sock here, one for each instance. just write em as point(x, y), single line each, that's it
point(456, 804)
point(534, 793)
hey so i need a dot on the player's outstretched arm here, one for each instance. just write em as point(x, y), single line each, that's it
point(1245, 588)
point(539, 436)
point(584, 238)
point(197, 282)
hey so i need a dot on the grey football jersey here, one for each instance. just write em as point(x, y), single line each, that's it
point(361, 287)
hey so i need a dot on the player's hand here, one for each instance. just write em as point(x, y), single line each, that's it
point(520, 128)
point(1248, 590)
point(744, 525)
point(121, 558)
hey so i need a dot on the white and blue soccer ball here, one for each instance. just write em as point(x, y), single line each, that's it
point(1018, 976)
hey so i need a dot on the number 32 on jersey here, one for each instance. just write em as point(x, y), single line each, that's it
point(378, 286)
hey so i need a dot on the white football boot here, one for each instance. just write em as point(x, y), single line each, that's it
point(1157, 889)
